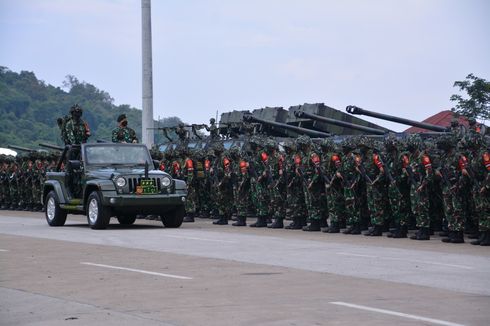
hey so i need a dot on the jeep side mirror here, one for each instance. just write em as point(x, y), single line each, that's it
point(75, 165)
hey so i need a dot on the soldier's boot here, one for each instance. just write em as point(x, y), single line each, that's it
point(323, 223)
point(399, 233)
point(422, 234)
point(221, 221)
point(302, 221)
point(313, 227)
point(295, 225)
point(356, 229)
point(479, 240)
point(475, 235)
point(268, 220)
point(348, 230)
point(376, 231)
point(240, 221)
point(260, 223)
point(450, 237)
point(486, 239)
point(333, 228)
point(189, 218)
point(444, 233)
point(278, 224)
point(458, 237)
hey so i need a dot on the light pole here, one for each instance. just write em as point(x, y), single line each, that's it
point(147, 118)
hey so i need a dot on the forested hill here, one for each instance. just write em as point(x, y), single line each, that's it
point(29, 108)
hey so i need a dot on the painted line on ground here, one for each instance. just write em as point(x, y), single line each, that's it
point(406, 260)
point(200, 239)
point(3, 250)
point(395, 313)
point(138, 271)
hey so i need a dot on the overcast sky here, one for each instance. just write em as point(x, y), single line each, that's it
point(398, 57)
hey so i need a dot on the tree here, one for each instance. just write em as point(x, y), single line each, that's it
point(478, 102)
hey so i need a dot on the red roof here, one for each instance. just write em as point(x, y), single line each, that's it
point(442, 119)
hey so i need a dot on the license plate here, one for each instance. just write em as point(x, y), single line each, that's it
point(146, 187)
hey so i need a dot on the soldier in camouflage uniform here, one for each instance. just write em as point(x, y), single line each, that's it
point(222, 186)
point(4, 200)
point(296, 205)
point(309, 170)
point(480, 168)
point(242, 191)
point(419, 169)
point(349, 174)
point(13, 185)
point(278, 186)
point(123, 134)
point(398, 188)
point(260, 191)
point(452, 173)
point(38, 178)
point(189, 176)
point(331, 164)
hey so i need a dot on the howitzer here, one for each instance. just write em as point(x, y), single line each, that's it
point(352, 109)
point(299, 130)
point(369, 130)
point(20, 148)
point(56, 148)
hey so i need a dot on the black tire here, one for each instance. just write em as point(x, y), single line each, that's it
point(174, 218)
point(126, 220)
point(55, 216)
point(98, 215)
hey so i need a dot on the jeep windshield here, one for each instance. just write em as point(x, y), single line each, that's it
point(117, 155)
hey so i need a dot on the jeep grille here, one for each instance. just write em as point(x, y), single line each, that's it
point(134, 182)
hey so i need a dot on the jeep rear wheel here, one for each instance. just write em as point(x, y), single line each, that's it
point(98, 215)
point(174, 218)
point(126, 220)
point(55, 216)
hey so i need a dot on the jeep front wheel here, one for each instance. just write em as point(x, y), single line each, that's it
point(98, 215)
point(174, 218)
point(55, 216)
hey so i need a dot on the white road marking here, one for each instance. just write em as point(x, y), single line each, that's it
point(407, 260)
point(138, 271)
point(398, 314)
point(3, 250)
point(201, 239)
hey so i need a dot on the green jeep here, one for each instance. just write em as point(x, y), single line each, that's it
point(109, 180)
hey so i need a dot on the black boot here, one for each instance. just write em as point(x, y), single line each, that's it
point(422, 234)
point(333, 228)
point(356, 229)
point(479, 240)
point(221, 221)
point(376, 231)
point(295, 225)
point(486, 239)
point(278, 224)
point(260, 223)
point(399, 233)
point(313, 227)
point(189, 218)
point(450, 237)
point(348, 230)
point(458, 237)
point(240, 221)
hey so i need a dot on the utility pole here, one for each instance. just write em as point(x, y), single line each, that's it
point(147, 118)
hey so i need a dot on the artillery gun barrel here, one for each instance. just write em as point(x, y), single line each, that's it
point(56, 148)
point(372, 131)
point(20, 148)
point(352, 109)
point(299, 130)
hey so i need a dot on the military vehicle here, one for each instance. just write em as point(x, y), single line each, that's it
point(111, 179)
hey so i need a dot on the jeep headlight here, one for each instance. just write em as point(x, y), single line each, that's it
point(120, 182)
point(166, 181)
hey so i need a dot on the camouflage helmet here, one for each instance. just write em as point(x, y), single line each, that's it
point(414, 142)
point(212, 120)
point(390, 142)
point(218, 147)
point(445, 143)
point(327, 144)
point(471, 121)
point(347, 144)
point(270, 143)
point(303, 140)
point(289, 145)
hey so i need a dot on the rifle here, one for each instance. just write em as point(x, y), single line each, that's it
point(363, 173)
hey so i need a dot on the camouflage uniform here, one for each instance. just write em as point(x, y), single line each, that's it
point(278, 187)
point(295, 197)
point(242, 192)
point(351, 179)
point(331, 164)
point(480, 166)
point(124, 135)
point(260, 195)
point(188, 173)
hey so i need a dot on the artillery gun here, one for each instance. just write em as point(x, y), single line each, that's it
point(352, 109)
point(278, 126)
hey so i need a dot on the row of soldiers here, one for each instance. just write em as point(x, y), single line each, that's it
point(351, 185)
point(22, 178)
